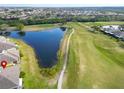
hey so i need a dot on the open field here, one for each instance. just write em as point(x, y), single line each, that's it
point(95, 60)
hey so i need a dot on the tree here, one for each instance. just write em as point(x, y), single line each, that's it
point(20, 26)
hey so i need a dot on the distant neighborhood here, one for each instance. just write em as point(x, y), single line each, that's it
point(114, 30)
point(25, 13)
point(44, 15)
point(9, 77)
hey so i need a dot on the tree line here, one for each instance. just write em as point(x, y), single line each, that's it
point(89, 18)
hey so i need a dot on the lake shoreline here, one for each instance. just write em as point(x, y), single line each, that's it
point(29, 65)
point(38, 27)
point(42, 39)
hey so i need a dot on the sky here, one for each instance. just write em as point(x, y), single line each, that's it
point(57, 3)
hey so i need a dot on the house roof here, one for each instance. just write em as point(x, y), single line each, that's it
point(4, 57)
point(5, 46)
point(6, 83)
point(9, 77)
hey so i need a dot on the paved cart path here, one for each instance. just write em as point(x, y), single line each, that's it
point(60, 80)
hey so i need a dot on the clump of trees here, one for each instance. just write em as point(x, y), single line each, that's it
point(20, 26)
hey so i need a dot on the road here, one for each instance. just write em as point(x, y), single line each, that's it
point(60, 80)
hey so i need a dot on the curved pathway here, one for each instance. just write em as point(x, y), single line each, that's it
point(60, 80)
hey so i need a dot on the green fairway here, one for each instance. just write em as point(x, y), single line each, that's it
point(95, 60)
point(103, 23)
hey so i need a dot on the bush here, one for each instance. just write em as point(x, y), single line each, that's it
point(21, 55)
point(49, 72)
point(22, 74)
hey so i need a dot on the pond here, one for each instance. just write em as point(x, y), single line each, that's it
point(45, 43)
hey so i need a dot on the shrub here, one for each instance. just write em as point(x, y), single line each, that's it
point(22, 74)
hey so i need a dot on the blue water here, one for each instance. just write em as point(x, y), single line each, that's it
point(45, 43)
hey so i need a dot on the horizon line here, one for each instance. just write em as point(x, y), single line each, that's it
point(57, 5)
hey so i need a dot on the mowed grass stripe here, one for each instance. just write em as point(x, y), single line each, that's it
point(72, 67)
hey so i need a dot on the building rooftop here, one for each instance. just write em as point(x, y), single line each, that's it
point(5, 83)
point(9, 77)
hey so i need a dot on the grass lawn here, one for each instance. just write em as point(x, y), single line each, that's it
point(39, 27)
point(95, 60)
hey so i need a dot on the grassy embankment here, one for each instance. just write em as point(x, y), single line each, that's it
point(29, 64)
point(95, 60)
